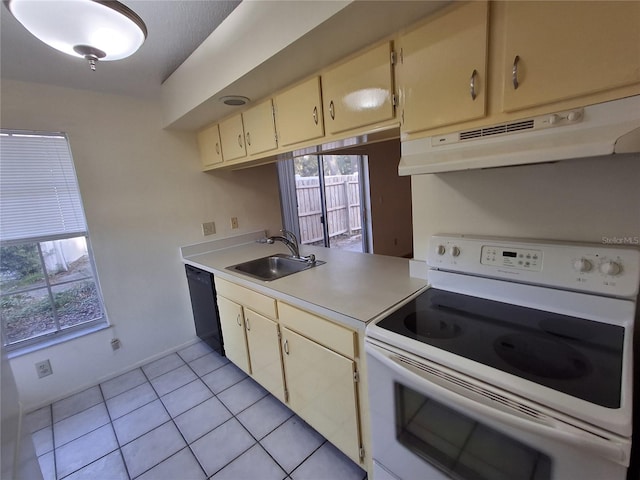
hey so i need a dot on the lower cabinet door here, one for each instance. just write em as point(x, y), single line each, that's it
point(233, 335)
point(264, 352)
point(322, 391)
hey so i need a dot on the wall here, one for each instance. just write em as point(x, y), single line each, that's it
point(390, 201)
point(582, 200)
point(18, 455)
point(144, 197)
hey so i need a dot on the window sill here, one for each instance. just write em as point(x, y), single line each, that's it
point(54, 340)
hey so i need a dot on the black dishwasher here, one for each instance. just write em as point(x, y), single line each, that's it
point(205, 308)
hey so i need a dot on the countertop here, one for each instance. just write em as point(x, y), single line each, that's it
point(351, 287)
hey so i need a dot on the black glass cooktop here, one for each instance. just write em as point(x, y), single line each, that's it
point(581, 358)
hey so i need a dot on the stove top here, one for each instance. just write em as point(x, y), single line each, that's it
point(578, 357)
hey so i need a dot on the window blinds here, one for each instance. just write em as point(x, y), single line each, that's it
point(39, 194)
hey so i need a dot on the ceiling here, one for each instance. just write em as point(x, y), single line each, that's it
point(175, 29)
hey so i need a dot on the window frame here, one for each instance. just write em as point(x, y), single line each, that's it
point(61, 333)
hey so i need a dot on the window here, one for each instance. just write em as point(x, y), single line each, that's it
point(48, 284)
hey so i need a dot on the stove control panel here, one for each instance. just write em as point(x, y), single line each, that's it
point(523, 258)
point(604, 269)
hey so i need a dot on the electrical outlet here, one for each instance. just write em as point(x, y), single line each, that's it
point(115, 344)
point(208, 228)
point(44, 368)
point(234, 222)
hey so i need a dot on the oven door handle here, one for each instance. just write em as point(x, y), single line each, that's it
point(482, 407)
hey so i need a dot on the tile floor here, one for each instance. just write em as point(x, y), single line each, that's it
point(188, 416)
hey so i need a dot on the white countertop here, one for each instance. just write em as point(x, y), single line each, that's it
point(352, 288)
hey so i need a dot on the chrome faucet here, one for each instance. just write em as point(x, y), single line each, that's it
point(290, 240)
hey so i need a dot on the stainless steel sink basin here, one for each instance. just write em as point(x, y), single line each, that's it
point(273, 267)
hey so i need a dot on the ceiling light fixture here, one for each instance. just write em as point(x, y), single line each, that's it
point(90, 29)
point(234, 100)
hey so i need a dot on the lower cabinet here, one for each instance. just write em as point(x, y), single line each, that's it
point(235, 340)
point(306, 361)
point(322, 390)
point(264, 352)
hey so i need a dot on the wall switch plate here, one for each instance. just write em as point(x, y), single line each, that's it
point(115, 343)
point(234, 222)
point(208, 228)
point(44, 368)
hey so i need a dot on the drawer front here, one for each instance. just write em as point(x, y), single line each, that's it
point(324, 332)
point(255, 301)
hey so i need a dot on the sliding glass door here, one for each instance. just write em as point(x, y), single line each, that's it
point(326, 200)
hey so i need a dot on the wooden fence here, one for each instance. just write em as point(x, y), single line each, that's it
point(342, 194)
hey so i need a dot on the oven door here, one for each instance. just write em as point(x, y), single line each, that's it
point(430, 422)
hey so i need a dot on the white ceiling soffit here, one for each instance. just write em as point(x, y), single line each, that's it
point(263, 46)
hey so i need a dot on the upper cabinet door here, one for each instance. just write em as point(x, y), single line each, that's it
point(259, 128)
point(232, 138)
point(560, 50)
point(359, 92)
point(441, 72)
point(299, 113)
point(210, 149)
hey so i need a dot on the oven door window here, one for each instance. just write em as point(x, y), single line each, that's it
point(460, 446)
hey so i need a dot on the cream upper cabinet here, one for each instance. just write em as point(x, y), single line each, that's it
point(233, 333)
point(359, 92)
point(264, 349)
point(232, 138)
point(209, 144)
point(299, 113)
point(442, 69)
point(259, 128)
point(560, 50)
point(322, 391)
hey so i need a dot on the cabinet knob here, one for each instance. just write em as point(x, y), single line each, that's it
point(332, 111)
point(286, 347)
point(217, 148)
point(248, 139)
point(514, 73)
point(240, 141)
point(472, 84)
point(315, 115)
point(246, 322)
point(238, 320)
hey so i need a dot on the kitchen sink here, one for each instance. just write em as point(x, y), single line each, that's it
point(273, 267)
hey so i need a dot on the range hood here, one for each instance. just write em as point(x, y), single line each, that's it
point(601, 129)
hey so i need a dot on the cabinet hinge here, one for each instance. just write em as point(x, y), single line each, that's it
point(361, 452)
point(394, 57)
point(356, 376)
point(279, 333)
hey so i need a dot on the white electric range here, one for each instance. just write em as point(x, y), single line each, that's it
point(516, 363)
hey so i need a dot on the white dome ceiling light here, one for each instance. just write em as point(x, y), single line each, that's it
point(90, 29)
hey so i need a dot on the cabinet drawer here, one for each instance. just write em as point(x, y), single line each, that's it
point(255, 301)
point(330, 335)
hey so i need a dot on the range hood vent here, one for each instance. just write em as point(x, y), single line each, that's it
point(496, 130)
point(596, 130)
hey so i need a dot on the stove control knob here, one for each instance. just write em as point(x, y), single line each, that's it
point(455, 251)
point(441, 250)
point(610, 268)
point(582, 265)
